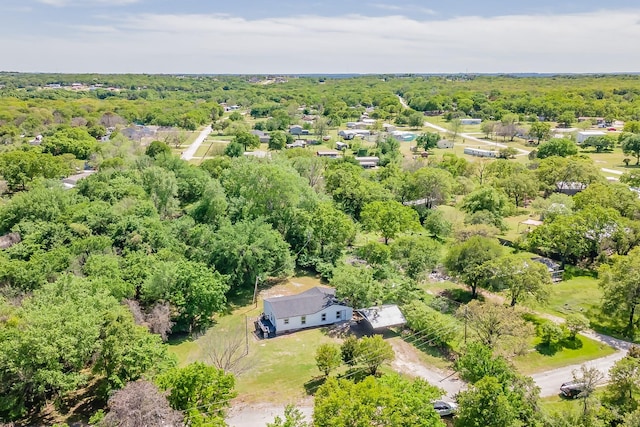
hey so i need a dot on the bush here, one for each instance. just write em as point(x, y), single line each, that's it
point(439, 328)
point(550, 333)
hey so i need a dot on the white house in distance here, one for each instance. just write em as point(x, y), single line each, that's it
point(478, 152)
point(316, 307)
point(582, 136)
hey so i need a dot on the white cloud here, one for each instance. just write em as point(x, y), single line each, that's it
point(62, 3)
point(407, 8)
point(590, 42)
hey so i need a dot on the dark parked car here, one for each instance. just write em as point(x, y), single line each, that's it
point(572, 389)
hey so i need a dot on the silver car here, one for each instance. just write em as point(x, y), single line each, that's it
point(444, 408)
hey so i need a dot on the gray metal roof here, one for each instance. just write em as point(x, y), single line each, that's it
point(305, 303)
point(385, 316)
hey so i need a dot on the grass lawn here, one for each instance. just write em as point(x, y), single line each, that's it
point(553, 405)
point(579, 294)
point(540, 359)
point(275, 370)
point(515, 228)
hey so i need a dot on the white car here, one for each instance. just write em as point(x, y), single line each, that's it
point(444, 408)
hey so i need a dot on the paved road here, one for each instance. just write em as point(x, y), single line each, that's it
point(260, 415)
point(407, 362)
point(613, 171)
point(191, 151)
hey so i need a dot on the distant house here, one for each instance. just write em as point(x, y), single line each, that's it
point(260, 154)
point(72, 180)
point(316, 307)
point(388, 127)
point(478, 152)
point(329, 153)
point(263, 136)
point(298, 130)
point(570, 188)
point(552, 266)
point(300, 143)
point(368, 162)
point(582, 136)
point(470, 121)
point(352, 133)
point(341, 146)
point(403, 136)
point(445, 143)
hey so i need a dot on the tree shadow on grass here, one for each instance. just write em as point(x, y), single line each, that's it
point(313, 384)
point(462, 296)
point(571, 343)
point(548, 349)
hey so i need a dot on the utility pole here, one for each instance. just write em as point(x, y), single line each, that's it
point(465, 324)
point(246, 334)
point(255, 293)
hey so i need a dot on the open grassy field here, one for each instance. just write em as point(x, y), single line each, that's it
point(539, 358)
point(579, 294)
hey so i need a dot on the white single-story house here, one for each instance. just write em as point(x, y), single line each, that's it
point(445, 143)
point(298, 143)
point(368, 161)
point(582, 136)
point(316, 307)
point(478, 152)
point(403, 136)
point(351, 133)
point(470, 121)
point(329, 153)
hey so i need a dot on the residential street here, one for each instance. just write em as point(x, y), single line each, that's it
point(191, 151)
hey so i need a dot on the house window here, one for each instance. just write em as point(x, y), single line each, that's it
point(338, 315)
point(303, 320)
point(324, 317)
point(286, 321)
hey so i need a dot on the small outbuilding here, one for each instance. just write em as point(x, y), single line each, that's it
point(382, 317)
point(445, 143)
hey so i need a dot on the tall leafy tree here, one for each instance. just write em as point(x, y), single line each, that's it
point(389, 218)
point(561, 147)
point(620, 284)
point(357, 285)
point(202, 392)
point(519, 277)
point(540, 130)
point(486, 404)
point(248, 250)
point(390, 400)
point(429, 187)
point(631, 145)
point(466, 259)
point(496, 326)
point(192, 288)
point(247, 140)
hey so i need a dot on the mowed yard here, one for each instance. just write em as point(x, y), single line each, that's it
point(275, 370)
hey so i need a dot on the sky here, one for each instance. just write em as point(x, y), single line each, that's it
point(319, 36)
